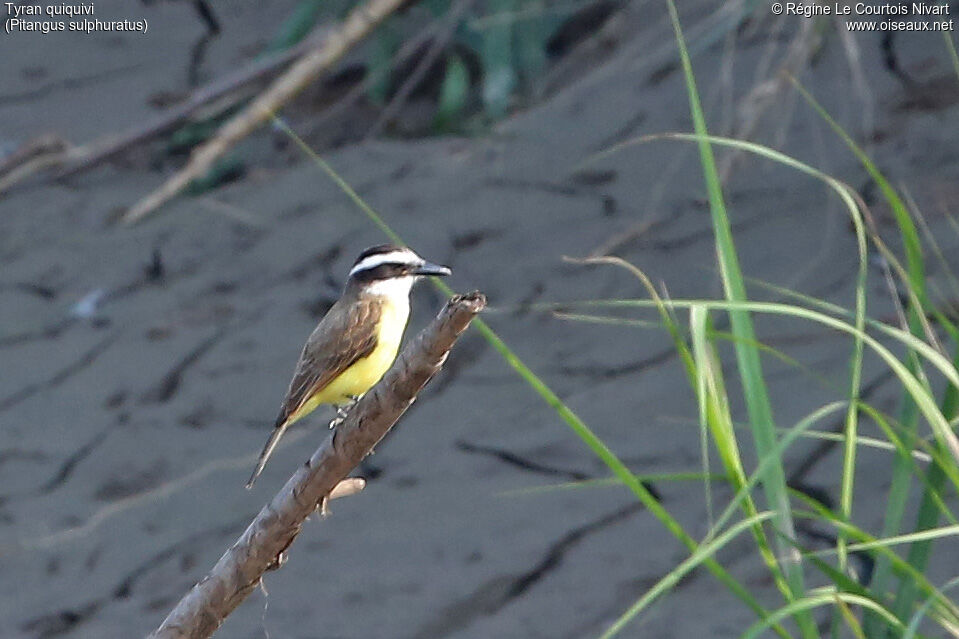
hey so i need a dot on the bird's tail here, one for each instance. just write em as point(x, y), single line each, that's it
point(267, 451)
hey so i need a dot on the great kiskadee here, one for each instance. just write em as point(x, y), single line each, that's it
point(357, 340)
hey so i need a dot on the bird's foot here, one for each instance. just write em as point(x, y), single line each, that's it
point(342, 410)
point(324, 507)
point(353, 399)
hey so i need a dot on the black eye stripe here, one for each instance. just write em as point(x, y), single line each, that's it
point(383, 271)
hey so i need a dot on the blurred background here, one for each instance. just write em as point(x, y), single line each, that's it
point(142, 365)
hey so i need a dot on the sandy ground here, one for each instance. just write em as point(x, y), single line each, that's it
point(125, 439)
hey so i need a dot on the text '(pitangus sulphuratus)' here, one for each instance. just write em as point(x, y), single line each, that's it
point(357, 340)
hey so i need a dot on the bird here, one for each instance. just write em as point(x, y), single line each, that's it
point(357, 340)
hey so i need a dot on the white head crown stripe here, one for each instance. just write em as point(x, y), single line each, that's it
point(393, 257)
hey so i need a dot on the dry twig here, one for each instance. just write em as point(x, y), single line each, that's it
point(43, 145)
point(33, 156)
point(262, 546)
point(94, 154)
point(70, 160)
point(357, 26)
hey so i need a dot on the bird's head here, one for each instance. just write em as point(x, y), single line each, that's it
point(391, 270)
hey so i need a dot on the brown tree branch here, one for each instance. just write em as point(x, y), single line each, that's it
point(262, 546)
point(357, 26)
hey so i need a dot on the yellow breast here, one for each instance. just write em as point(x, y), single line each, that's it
point(362, 375)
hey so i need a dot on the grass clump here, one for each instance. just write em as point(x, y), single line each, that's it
point(894, 599)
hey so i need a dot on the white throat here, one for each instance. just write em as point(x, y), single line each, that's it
point(395, 289)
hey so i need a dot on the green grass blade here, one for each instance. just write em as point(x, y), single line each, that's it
point(843, 583)
point(698, 325)
point(916, 286)
point(718, 421)
point(607, 482)
point(907, 538)
point(815, 601)
point(923, 610)
point(929, 508)
point(939, 459)
point(917, 389)
point(953, 56)
point(851, 200)
point(863, 442)
point(670, 580)
point(947, 613)
point(754, 387)
point(794, 433)
point(946, 609)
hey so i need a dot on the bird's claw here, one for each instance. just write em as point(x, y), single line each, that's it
point(342, 410)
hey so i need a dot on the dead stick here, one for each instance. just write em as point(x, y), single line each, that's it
point(43, 145)
point(99, 152)
point(357, 26)
point(261, 546)
point(72, 160)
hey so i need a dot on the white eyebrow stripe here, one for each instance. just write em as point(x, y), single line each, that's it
point(393, 257)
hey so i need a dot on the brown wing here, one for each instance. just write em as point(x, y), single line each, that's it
point(343, 337)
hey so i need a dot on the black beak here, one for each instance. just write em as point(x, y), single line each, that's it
point(428, 268)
